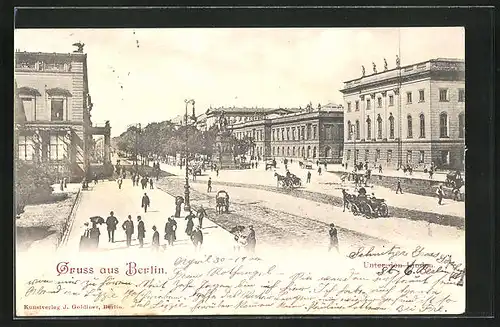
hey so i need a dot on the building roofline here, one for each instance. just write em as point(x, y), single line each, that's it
point(456, 60)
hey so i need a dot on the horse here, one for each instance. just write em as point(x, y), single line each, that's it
point(279, 178)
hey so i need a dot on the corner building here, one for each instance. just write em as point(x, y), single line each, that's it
point(408, 115)
point(53, 90)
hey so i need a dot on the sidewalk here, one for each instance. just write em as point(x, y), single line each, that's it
point(328, 184)
point(106, 196)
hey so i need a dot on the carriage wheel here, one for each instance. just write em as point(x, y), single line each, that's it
point(354, 209)
point(365, 209)
point(383, 211)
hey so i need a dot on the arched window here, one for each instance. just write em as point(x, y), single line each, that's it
point(461, 125)
point(288, 151)
point(293, 151)
point(368, 128)
point(357, 129)
point(309, 151)
point(349, 130)
point(410, 126)
point(391, 126)
point(379, 127)
point(303, 152)
point(314, 152)
point(422, 126)
point(443, 125)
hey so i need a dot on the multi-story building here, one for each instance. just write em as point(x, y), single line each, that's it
point(309, 133)
point(240, 115)
point(413, 115)
point(53, 88)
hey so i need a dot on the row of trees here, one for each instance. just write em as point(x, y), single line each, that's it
point(167, 139)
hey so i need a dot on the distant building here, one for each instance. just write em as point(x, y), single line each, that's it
point(54, 92)
point(310, 133)
point(413, 114)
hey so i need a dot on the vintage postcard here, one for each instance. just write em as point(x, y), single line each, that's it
point(239, 171)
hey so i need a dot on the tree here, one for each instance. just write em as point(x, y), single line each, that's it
point(243, 146)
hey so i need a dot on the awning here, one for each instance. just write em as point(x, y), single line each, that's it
point(28, 91)
point(57, 91)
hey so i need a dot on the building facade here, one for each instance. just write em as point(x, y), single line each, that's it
point(306, 134)
point(408, 115)
point(53, 89)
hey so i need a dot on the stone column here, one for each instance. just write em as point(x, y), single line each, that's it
point(107, 145)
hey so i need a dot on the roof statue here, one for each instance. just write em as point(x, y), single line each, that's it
point(385, 64)
point(319, 106)
point(398, 61)
point(374, 67)
point(80, 46)
point(363, 70)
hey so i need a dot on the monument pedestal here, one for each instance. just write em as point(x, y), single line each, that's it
point(223, 152)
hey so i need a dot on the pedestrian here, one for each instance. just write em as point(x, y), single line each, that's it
point(155, 243)
point(431, 172)
point(151, 183)
point(201, 214)
point(170, 228)
point(217, 171)
point(308, 179)
point(190, 224)
point(326, 165)
point(65, 182)
point(319, 171)
point(209, 185)
point(145, 202)
point(111, 223)
point(61, 185)
point(179, 200)
point(197, 238)
point(344, 199)
point(119, 181)
point(334, 241)
point(251, 240)
point(440, 194)
point(398, 188)
point(128, 227)
point(95, 178)
point(141, 231)
point(380, 168)
point(85, 238)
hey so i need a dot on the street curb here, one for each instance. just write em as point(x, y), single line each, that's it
point(70, 220)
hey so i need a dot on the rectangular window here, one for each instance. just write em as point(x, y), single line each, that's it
point(421, 96)
point(274, 135)
point(29, 108)
point(408, 97)
point(357, 105)
point(57, 149)
point(348, 154)
point(421, 157)
point(377, 155)
point(293, 133)
point(391, 100)
point(368, 104)
point(379, 102)
point(408, 157)
point(315, 132)
point(57, 109)
point(348, 107)
point(302, 132)
point(367, 154)
point(328, 132)
point(308, 131)
point(389, 155)
point(461, 95)
point(443, 95)
point(445, 157)
point(282, 134)
point(26, 151)
point(288, 133)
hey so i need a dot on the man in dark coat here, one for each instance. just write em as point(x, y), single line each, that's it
point(334, 241)
point(308, 179)
point(151, 183)
point(190, 224)
point(251, 241)
point(128, 227)
point(141, 231)
point(201, 214)
point(209, 185)
point(197, 238)
point(145, 202)
point(344, 199)
point(398, 187)
point(156, 239)
point(111, 223)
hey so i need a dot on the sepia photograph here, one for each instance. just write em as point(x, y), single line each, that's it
point(239, 171)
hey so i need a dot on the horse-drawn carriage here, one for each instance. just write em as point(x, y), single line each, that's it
point(454, 179)
point(366, 205)
point(222, 202)
point(270, 163)
point(306, 164)
point(287, 181)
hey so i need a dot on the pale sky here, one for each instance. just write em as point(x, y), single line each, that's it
point(287, 67)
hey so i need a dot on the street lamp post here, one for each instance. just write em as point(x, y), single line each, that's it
point(187, 205)
point(137, 130)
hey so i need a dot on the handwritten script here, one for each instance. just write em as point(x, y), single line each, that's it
point(418, 282)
